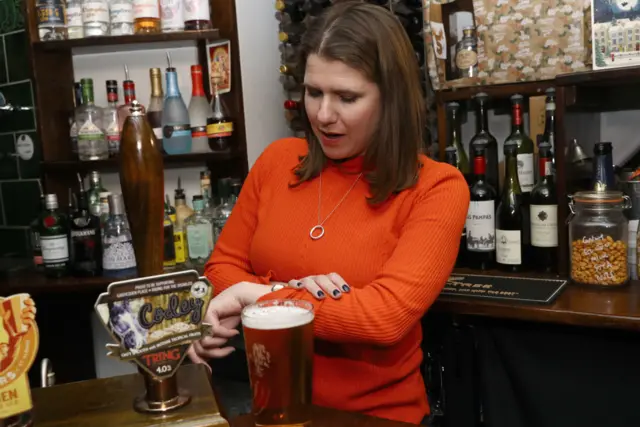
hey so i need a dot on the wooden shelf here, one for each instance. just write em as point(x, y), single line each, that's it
point(35, 283)
point(600, 78)
point(170, 161)
point(496, 91)
point(63, 45)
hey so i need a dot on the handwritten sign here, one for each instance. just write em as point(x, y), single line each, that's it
point(154, 319)
point(18, 348)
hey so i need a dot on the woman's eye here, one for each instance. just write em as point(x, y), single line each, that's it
point(313, 93)
point(348, 99)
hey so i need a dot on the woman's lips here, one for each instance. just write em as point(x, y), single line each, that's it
point(330, 138)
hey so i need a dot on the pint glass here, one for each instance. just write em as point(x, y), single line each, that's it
point(278, 337)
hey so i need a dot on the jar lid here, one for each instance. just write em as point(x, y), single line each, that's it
point(598, 197)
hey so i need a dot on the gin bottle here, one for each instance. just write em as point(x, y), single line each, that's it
point(93, 193)
point(75, 27)
point(118, 257)
point(85, 245)
point(199, 235)
point(54, 238)
point(176, 129)
point(92, 144)
point(95, 17)
point(121, 15)
point(110, 118)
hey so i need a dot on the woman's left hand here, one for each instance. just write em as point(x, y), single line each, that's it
point(223, 314)
point(320, 286)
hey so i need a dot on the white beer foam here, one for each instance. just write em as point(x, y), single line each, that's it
point(275, 317)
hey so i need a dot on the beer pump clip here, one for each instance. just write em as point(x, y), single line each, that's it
point(154, 320)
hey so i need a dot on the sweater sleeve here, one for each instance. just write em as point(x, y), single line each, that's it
point(384, 311)
point(229, 263)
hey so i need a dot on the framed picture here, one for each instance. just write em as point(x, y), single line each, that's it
point(615, 33)
point(219, 57)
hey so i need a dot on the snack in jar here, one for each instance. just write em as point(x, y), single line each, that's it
point(598, 238)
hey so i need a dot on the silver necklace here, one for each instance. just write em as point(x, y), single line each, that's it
point(317, 231)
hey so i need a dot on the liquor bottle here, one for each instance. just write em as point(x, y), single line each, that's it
point(199, 235)
point(197, 15)
point(291, 8)
point(118, 257)
point(169, 249)
point(54, 238)
point(129, 96)
point(205, 188)
point(121, 15)
point(95, 17)
point(172, 13)
point(182, 213)
point(467, 54)
point(93, 193)
point(146, 16)
point(525, 148)
point(75, 27)
point(288, 53)
point(110, 118)
point(85, 243)
point(35, 234)
point(455, 136)
point(291, 38)
point(510, 219)
point(549, 135)
point(481, 221)
point(199, 112)
point(229, 190)
point(451, 157)
point(104, 210)
point(220, 126)
point(73, 125)
point(92, 144)
point(543, 214)
point(176, 130)
point(315, 7)
point(603, 178)
point(154, 112)
point(51, 20)
point(484, 138)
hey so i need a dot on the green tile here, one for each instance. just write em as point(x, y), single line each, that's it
point(29, 144)
point(17, 94)
point(17, 56)
point(3, 63)
point(11, 14)
point(14, 242)
point(21, 200)
point(8, 162)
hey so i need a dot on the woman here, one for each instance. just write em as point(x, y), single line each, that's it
point(353, 219)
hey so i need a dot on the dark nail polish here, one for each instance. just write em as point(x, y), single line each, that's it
point(346, 288)
point(299, 284)
point(320, 294)
point(336, 292)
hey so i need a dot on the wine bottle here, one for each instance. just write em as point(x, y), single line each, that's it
point(510, 220)
point(525, 147)
point(451, 157)
point(481, 221)
point(543, 213)
point(220, 125)
point(455, 135)
point(603, 177)
point(154, 112)
point(484, 138)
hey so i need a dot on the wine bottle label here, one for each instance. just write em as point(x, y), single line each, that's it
point(118, 256)
point(74, 16)
point(95, 11)
point(525, 172)
point(50, 13)
point(178, 240)
point(199, 240)
point(196, 10)
point(481, 226)
point(544, 225)
point(509, 247)
point(146, 9)
point(199, 132)
point(176, 131)
point(219, 130)
point(55, 249)
point(121, 13)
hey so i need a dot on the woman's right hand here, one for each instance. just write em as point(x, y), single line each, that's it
point(322, 285)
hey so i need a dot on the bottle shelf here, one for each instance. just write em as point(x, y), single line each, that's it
point(533, 88)
point(64, 45)
point(170, 161)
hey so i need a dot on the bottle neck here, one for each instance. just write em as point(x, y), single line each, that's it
point(516, 118)
point(112, 96)
point(172, 84)
point(87, 95)
point(454, 133)
point(129, 92)
point(511, 182)
point(545, 167)
point(482, 119)
point(196, 83)
point(479, 167)
point(156, 86)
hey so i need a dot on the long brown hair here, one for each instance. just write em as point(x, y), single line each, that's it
point(370, 39)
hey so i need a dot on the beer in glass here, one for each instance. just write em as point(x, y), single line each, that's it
point(278, 336)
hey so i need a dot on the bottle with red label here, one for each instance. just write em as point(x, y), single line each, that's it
point(110, 118)
point(199, 112)
point(220, 126)
point(129, 96)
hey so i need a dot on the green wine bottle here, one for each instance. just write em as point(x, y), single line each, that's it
point(455, 136)
point(525, 147)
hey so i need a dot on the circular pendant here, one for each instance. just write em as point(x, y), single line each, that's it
point(316, 232)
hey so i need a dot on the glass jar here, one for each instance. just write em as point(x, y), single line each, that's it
point(598, 238)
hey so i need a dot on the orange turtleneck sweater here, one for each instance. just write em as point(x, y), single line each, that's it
point(396, 257)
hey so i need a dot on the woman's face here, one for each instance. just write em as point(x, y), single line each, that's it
point(343, 107)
